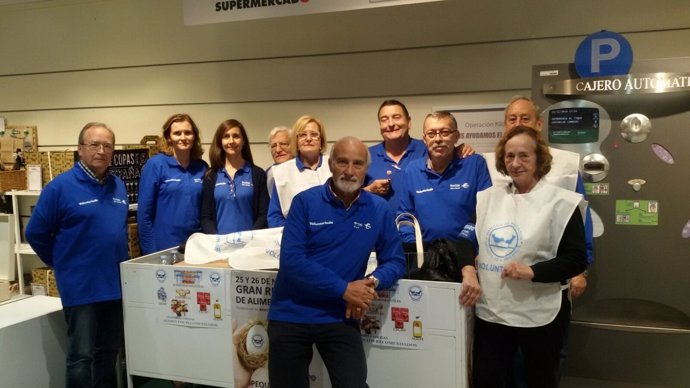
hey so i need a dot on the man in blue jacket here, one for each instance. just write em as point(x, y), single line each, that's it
point(79, 227)
point(321, 290)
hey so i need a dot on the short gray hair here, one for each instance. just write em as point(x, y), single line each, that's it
point(521, 98)
point(277, 130)
point(94, 124)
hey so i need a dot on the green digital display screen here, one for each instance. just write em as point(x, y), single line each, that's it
point(574, 125)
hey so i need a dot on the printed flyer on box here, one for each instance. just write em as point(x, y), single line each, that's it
point(251, 291)
point(396, 319)
point(193, 297)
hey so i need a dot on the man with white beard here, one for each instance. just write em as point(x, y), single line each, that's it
point(321, 290)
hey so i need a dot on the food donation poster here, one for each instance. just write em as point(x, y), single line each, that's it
point(191, 296)
point(396, 318)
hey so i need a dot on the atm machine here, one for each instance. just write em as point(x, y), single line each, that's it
point(633, 135)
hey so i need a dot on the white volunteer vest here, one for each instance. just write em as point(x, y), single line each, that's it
point(525, 228)
point(290, 181)
point(564, 169)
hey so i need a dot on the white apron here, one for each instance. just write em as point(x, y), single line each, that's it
point(526, 228)
point(564, 169)
point(290, 181)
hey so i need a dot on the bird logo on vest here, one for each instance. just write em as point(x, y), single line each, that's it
point(503, 241)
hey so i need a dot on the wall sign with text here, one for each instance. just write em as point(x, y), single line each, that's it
point(211, 11)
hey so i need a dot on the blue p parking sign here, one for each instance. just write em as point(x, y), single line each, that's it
point(602, 54)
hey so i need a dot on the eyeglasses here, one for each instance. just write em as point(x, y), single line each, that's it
point(304, 135)
point(280, 145)
point(95, 147)
point(445, 133)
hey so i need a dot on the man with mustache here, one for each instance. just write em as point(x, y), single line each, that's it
point(321, 290)
point(441, 191)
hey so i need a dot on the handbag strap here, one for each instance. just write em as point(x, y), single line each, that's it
point(410, 220)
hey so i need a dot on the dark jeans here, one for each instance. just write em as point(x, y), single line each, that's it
point(495, 347)
point(94, 333)
point(291, 351)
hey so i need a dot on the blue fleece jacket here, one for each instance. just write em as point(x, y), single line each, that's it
point(79, 227)
point(324, 247)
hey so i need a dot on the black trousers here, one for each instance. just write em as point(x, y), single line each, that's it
point(291, 351)
point(495, 346)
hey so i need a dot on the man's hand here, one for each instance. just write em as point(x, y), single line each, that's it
point(464, 150)
point(359, 294)
point(470, 286)
point(518, 271)
point(380, 186)
point(578, 284)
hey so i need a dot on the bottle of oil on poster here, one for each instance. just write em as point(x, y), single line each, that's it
point(216, 310)
point(417, 328)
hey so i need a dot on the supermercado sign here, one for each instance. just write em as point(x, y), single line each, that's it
point(212, 11)
point(623, 84)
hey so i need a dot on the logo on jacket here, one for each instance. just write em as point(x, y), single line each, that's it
point(457, 186)
point(503, 241)
point(359, 225)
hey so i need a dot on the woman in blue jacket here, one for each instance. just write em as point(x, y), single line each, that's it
point(170, 187)
point(235, 196)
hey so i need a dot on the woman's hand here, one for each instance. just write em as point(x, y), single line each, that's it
point(517, 271)
point(470, 286)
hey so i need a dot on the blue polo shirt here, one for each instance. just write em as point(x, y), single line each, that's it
point(381, 163)
point(169, 202)
point(233, 197)
point(324, 247)
point(444, 203)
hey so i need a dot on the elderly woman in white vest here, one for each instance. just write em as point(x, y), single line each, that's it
point(531, 240)
point(309, 168)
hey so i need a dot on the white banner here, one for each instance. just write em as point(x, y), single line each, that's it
point(212, 11)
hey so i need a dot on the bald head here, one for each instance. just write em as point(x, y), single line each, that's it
point(522, 111)
point(348, 161)
point(350, 143)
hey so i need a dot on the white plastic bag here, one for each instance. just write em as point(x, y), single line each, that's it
point(247, 250)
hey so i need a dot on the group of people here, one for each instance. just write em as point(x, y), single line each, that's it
point(515, 224)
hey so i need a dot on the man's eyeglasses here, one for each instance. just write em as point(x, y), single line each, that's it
point(445, 134)
point(280, 145)
point(95, 147)
point(304, 135)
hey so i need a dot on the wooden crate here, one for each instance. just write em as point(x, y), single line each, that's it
point(12, 180)
point(45, 276)
point(133, 234)
point(53, 163)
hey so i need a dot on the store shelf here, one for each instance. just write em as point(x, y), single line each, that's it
point(23, 202)
point(25, 249)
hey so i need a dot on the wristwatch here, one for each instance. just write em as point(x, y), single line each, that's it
point(375, 279)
